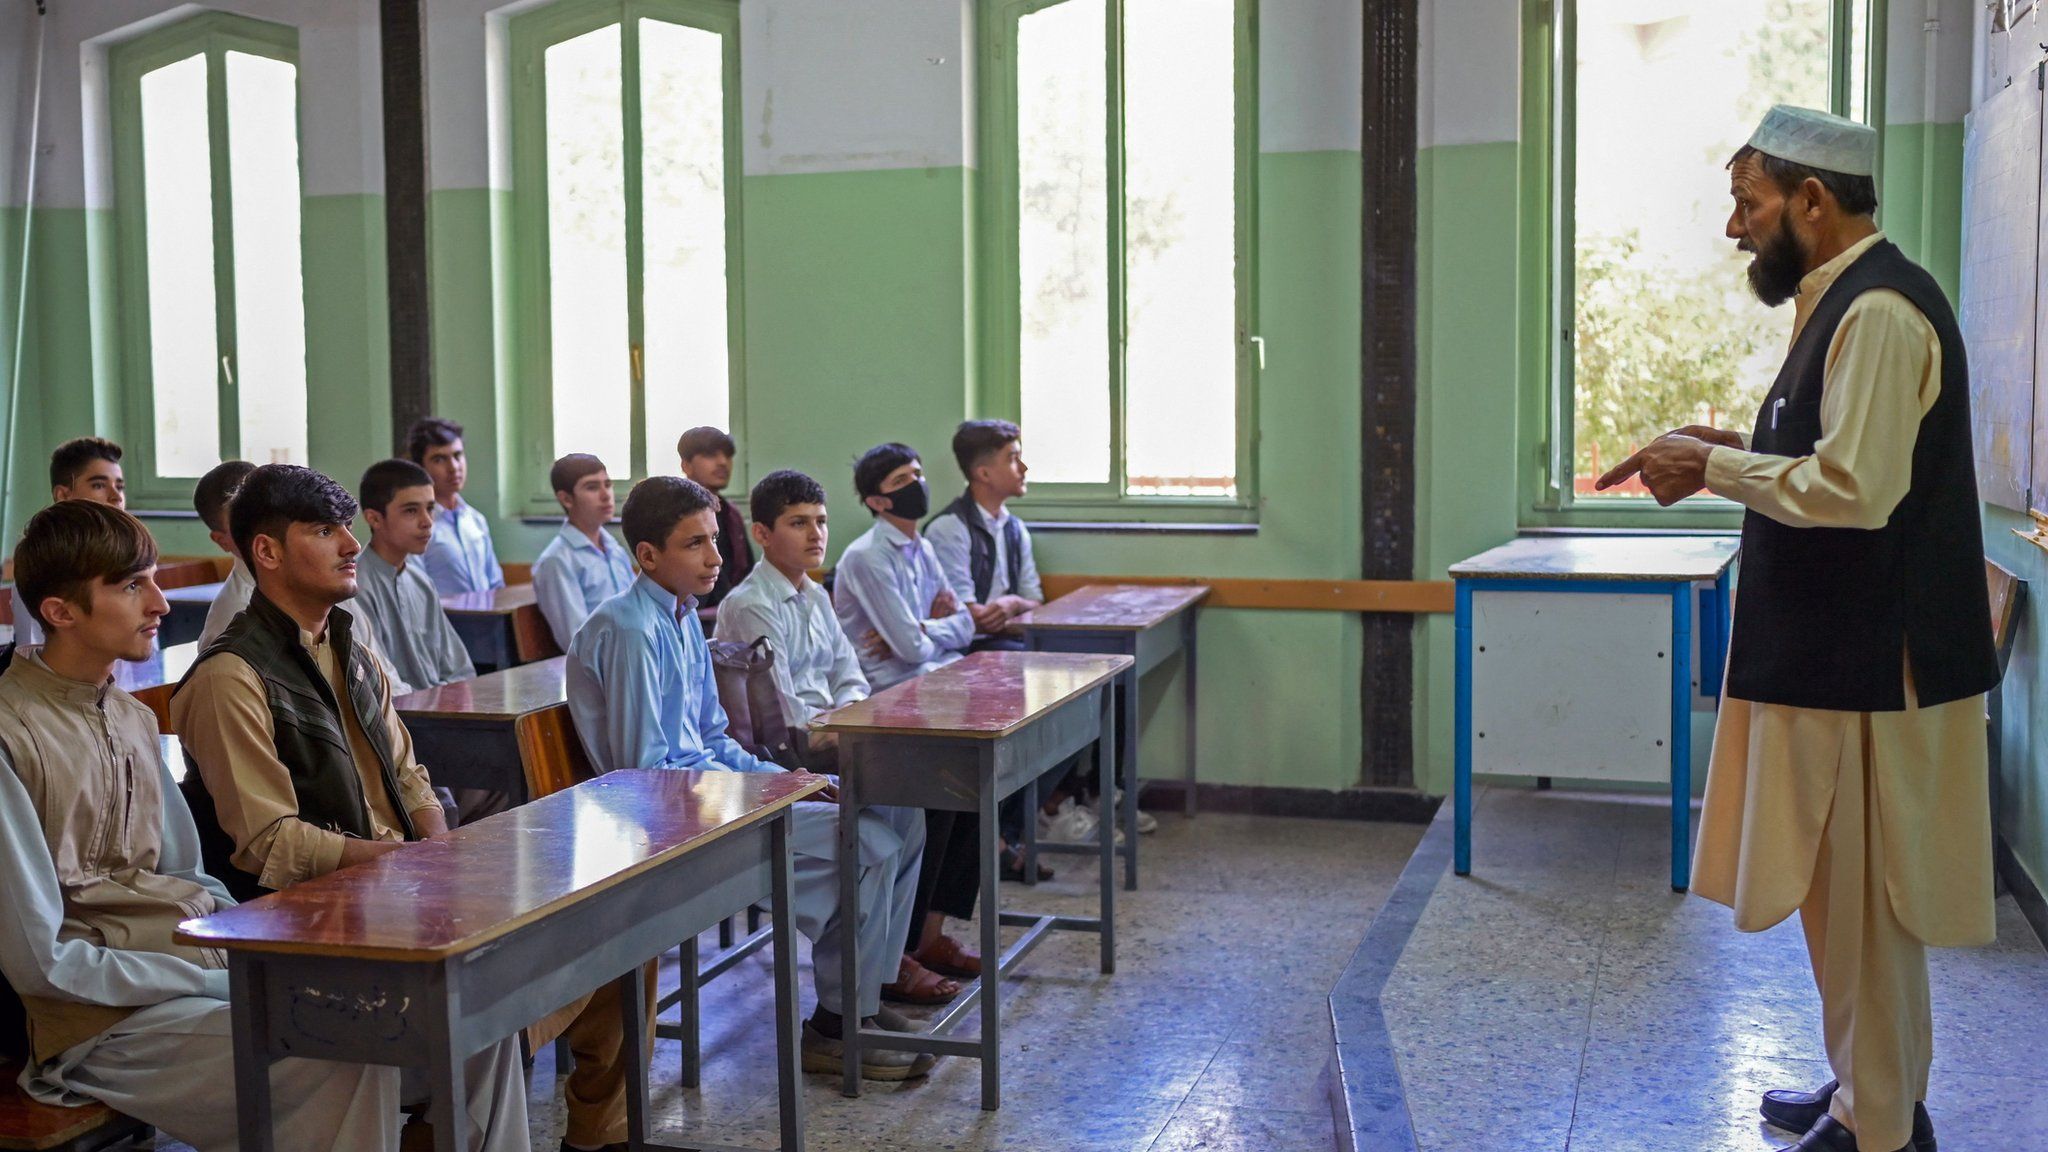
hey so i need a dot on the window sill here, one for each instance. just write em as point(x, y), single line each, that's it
point(163, 513)
point(1141, 528)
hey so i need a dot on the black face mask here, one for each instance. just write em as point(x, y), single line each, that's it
point(911, 501)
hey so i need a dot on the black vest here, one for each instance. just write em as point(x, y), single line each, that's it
point(307, 730)
point(981, 545)
point(1826, 616)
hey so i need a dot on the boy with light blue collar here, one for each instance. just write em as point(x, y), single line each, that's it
point(460, 556)
point(582, 566)
point(892, 597)
point(643, 695)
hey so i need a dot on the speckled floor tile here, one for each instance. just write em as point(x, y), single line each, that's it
point(1217, 1128)
point(1273, 1077)
point(1655, 1098)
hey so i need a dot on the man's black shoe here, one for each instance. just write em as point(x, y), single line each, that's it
point(1828, 1135)
point(1799, 1111)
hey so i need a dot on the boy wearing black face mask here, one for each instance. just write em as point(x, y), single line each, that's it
point(890, 594)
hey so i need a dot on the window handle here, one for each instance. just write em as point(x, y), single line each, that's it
point(639, 365)
point(227, 369)
point(1259, 343)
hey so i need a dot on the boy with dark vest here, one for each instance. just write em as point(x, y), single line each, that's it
point(983, 549)
point(299, 763)
point(706, 456)
point(100, 861)
point(1848, 780)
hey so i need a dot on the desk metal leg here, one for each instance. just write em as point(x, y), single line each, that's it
point(991, 939)
point(849, 928)
point(447, 1081)
point(1188, 722)
point(633, 1010)
point(1030, 832)
point(1126, 813)
point(688, 1018)
point(1461, 787)
point(788, 1041)
point(1103, 740)
point(246, 1000)
point(1681, 737)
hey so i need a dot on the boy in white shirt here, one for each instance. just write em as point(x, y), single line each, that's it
point(583, 566)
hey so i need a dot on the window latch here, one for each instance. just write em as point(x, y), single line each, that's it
point(1259, 343)
point(227, 370)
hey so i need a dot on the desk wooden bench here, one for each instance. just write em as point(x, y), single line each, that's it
point(1148, 623)
point(962, 739)
point(29, 1125)
point(421, 957)
point(501, 628)
point(466, 733)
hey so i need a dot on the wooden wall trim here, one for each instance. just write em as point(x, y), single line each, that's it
point(1393, 596)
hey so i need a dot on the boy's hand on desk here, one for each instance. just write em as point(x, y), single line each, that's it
point(944, 604)
point(874, 646)
point(831, 793)
point(355, 851)
point(989, 618)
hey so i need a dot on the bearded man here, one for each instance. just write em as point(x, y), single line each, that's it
point(1848, 780)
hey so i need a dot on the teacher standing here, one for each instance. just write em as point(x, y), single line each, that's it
point(1848, 780)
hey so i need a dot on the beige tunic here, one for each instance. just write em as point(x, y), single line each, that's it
point(1774, 769)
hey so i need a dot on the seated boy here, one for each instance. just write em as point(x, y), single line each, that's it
point(706, 455)
point(87, 468)
point(210, 498)
point(277, 798)
point(583, 566)
point(817, 670)
point(97, 847)
point(397, 605)
point(890, 594)
point(643, 695)
point(984, 551)
point(460, 556)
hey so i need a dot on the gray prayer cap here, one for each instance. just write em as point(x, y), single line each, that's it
point(1817, 140)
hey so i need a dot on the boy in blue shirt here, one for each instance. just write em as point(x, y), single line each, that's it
point(643, 695)
point(583, 566)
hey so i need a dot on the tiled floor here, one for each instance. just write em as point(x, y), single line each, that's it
point(1212, 1035)
point(1563, 997)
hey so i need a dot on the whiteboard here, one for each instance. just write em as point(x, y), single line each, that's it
point(2001, 250)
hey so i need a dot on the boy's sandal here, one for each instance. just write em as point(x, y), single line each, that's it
point(917, 984)
point(949, 957)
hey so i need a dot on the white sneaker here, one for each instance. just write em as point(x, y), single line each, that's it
point(1146, 821)
point(1072, 824)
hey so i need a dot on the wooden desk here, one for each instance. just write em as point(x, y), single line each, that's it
point(962, 739)
point(1147, 623)
point(501, 628)
point(1575, 655)
point(187, 618)
point(421, 957)
point(466, 732)
point(153, 680)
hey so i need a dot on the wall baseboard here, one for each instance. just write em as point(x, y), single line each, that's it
point(2033, 905)
point(1397, 805)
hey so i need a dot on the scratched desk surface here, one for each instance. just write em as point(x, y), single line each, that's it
point(1649, 558)
point(503, 695)
point(980, 696)
point(1117, 607)
point(441, 898)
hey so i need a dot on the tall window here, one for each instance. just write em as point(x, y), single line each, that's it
point(1120, 141)
point(1652, 325)
point(627, 155)
point(207, 193)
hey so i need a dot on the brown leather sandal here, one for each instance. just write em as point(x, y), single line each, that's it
point(949, 957)
point(917, 984)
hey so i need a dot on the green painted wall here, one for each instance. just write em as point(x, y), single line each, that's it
point(1920, 159)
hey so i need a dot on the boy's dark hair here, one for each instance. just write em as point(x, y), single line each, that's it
point(75, 456)
point(70, 545)
point(656, 505)
point(705, 441)
point(976, 439)
point(384, 480)
point(572, 468)
point(1856, 194)
point(277, 496)
point(429, 432)
point(876, 463)
point(778, 491)
point(211, 495)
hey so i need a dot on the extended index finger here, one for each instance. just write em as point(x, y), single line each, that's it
point(1620, 472)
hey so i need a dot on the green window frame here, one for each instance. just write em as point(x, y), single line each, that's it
point(1544, 273)
point(532, 413)
point(998, 390)
point(213, 35)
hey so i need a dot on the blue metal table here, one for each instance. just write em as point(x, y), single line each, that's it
point(1600, 593)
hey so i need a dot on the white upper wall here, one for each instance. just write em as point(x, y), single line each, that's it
point(1907, 100)
point(1310, 75)
point(1469, 73)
